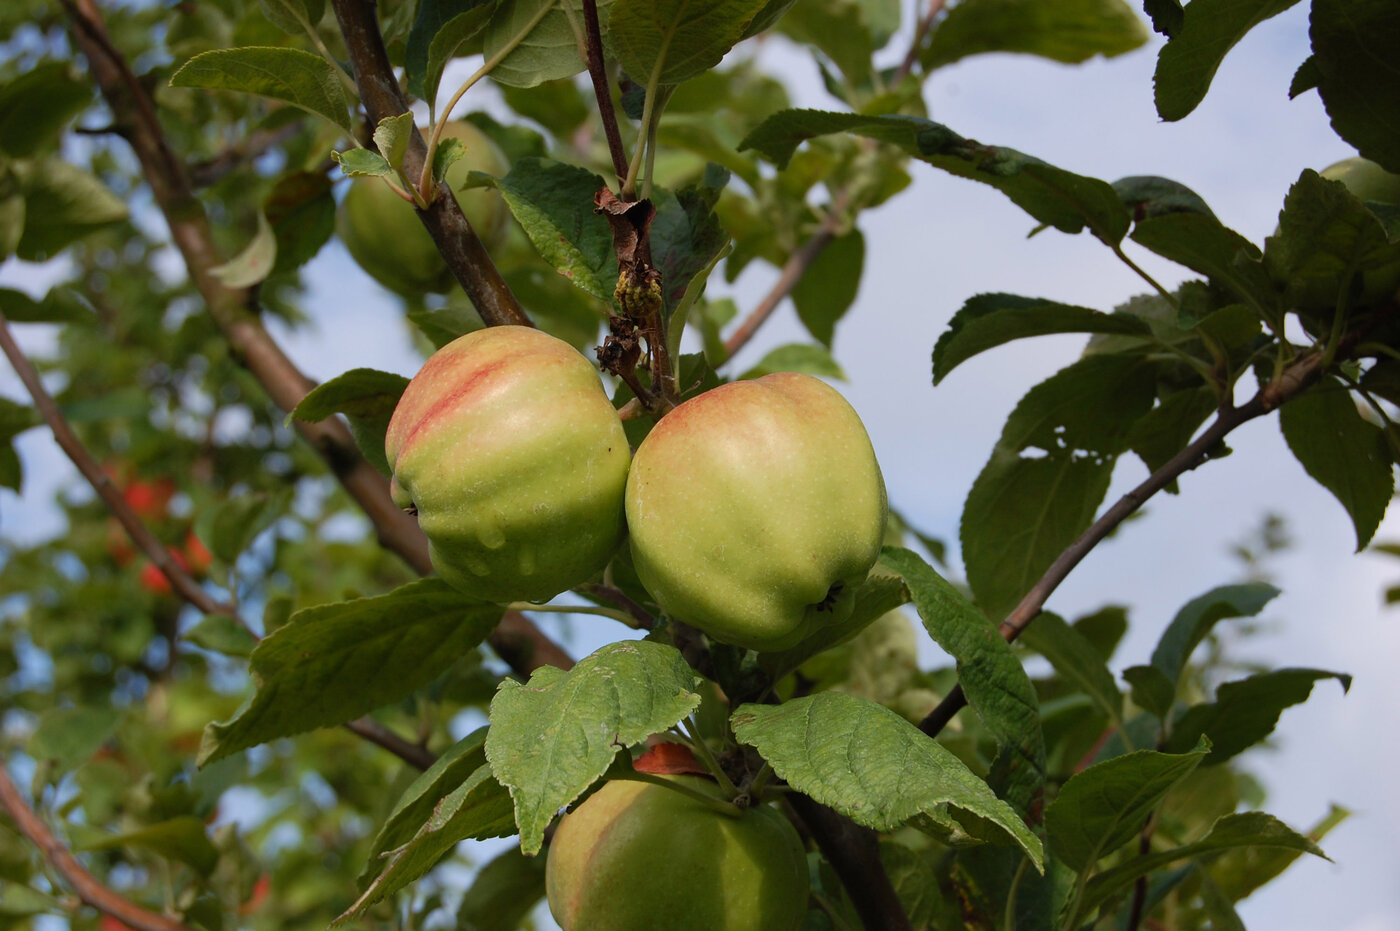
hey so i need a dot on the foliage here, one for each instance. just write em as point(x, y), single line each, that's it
point(209, 675)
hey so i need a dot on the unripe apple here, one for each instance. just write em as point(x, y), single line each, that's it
point(385, 236)
point(1364, 178)
point(640, 857)
point(755, 509)
point(514, 459)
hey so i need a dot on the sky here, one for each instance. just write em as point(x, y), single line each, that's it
point(946, 239)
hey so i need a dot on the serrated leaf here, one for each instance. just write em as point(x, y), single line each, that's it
point(1103, 807)
point(1343, 451)
point(669, 41)
point(1203, 244)
point(1025, 508)
point(1165, 430)
point(181, 839)
point(1188, 62)
point(989, 320)
point(1196, 618)
point(989, 672)
point(1053, 196)
point(430, 23)
point(363, 163)
point(1076, 660)
point(538, 40)
point(1246, 711)
point(878, 595)
point(829, 287)
point(1353, 58)
point(797, 357)
point(1240, 871)
point(1148, 196)
point(554, 204)
point(254, 263)
point(553, 736)
point(871, 765)
point(1249, 829)
point(35, 106)
point(332, 663)
point(62, 204)
point(302, 79)
point(367, 398)
point(391, 138)
point(1070, 31)
point(458, 31)
point(686, 237)
point(479, 808)
point(1166, 15)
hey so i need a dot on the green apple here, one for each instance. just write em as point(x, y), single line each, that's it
point(1364, 178)
point(514, 459)
point(385, 236)
point(755, 509)
point(641, 857)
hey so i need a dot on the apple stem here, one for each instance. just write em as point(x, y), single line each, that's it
point(709, 801)
point(707, 757)
point(622, 616)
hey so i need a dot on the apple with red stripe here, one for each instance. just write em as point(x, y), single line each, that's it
point(508, 449)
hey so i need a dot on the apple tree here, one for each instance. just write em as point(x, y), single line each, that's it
point(289, 663)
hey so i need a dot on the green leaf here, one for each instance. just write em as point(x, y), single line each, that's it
point(238, 521)
point(1051, 195)
point(391, 137)
point(1103, 807)
point(554, 204)
point(1076, 660)
point(1152, 690)
point(829, 287)
point(363, 163)
point(18, 901)
point(290, 75)
point(878, 595)
point(301, 209)
point(1354, 44)
point(553, 736)
point(1165, 430)
point(297, 17)
point(1187, 64)
point(1199, 615)
point(36, 105)
point(1246, 711)
point(335, 662)
point(504, 891)
point(445, 324)
point(14, 420)
point(1342, 451)
point(1249, 829)
point(989, 672)
point(538, 40)
point(1069, 31)
point(841, 30)
point(1166, 15)
point(1148, 196)
point(457, 32)
point(62, 204)
point(669, 41)
point(181, 839)
point(11, 210)
point(989, 320)
point(1240, 871)
point(1025, 508)
point(66, 737)
point(797, 357)
point(1203, 244)
point(367, 398)
point(254, 263)
point(431, 20)
point(686, 238)
point(478, 808)
point(872, 766)
point(221, 634)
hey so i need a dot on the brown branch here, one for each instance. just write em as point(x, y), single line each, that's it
point(599, 77)
point(854, 853)
point(67, 866)
point(517, 641)
point(1297, 377)
point(159, 554)
point(203, 174)
point(376, 733)
point(793, 269)
point(916, 45)
point(461, 248)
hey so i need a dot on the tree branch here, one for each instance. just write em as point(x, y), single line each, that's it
point(516, 640)
point(1297, 377)
point(793, 269)
point(461, 248)
point(854, 853)
point(67, 866)
point(599, 77)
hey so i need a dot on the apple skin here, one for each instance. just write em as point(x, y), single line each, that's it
point(1364, 178)
point(515, 460)
point(638, 857)
point(385, 237)
point(755, 509)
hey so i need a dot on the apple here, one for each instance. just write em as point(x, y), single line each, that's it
point(515, 461)
point(638, 856)
point(755, 509)
point(385, 236)
point(1364, 178)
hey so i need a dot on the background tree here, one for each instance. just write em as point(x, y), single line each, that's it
point(215, 522)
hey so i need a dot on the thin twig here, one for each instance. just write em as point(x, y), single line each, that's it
point(916, 45)
point(594, 39)
point(793, 269)
point(1295, 378)
point(67, 866)
point(854, 852)
point(159, 554)
point(411, 753)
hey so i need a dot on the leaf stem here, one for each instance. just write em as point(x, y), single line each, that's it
point(709, 801)
point(621, 616)
point(702, 750)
